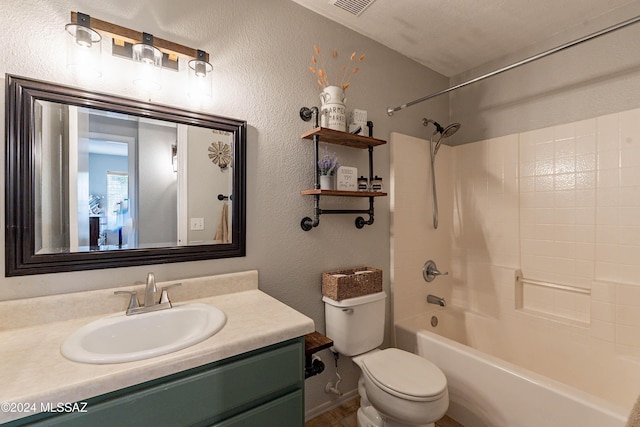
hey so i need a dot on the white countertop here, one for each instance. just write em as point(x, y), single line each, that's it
point(32, 370)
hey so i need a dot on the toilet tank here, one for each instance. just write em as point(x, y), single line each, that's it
point(356, 325)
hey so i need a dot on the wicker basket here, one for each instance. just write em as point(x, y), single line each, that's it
point(351, 283)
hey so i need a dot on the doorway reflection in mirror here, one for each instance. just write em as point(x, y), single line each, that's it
point(138, 171)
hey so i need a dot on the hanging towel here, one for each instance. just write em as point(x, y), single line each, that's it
point(222, 234)
point(634, 418)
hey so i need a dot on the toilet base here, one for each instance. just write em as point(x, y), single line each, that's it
point(369, 417)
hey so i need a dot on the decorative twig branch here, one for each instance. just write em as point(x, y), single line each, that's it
point(321, 71)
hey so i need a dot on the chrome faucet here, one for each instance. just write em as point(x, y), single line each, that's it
point(432, 299)
point(150, 291)
point(151, 302)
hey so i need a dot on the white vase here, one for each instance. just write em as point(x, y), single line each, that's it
point(333, 112)
point(327, 182)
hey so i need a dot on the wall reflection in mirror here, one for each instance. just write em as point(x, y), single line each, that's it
point(91, 175)
point(112, 181)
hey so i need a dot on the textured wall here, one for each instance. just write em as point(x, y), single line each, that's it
point(260, 52)
point(598, 77)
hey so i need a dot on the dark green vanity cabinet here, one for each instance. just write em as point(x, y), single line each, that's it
point(260, 388)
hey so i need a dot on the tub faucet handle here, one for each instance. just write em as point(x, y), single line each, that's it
point(430, 271)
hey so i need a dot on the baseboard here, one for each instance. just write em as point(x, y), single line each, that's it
point(327, 406)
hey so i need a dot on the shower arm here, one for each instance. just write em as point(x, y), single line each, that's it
point(591, 36)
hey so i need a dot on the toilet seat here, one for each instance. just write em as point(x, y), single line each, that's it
point(405, 375)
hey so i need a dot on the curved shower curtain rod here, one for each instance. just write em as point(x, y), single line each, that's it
point(607, 30)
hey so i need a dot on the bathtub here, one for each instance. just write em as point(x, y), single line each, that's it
point(487, 391)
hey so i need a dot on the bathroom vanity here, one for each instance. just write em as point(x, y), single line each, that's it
point(249, 372)
point(258, 388)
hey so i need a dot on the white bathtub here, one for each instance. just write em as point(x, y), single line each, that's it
point(488, 391)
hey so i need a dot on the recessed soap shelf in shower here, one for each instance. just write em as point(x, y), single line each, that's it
point(563, 303)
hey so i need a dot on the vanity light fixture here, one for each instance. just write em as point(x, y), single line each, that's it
point(200, 81)
point(84, 47)
point(151, 52)
point(149, 57)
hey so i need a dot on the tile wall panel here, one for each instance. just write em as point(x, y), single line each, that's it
point(557, 215)
point(560, 203)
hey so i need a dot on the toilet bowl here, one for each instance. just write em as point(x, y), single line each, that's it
point(405, 389)
point(397, 388)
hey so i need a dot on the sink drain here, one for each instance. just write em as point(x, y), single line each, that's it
point(434, 321)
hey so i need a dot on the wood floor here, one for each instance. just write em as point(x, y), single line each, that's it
point(345, 416)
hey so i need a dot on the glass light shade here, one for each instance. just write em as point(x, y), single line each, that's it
point(200, 78)
point(84, 50)
point(148, 75)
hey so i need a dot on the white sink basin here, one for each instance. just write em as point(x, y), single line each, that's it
point(120, 338)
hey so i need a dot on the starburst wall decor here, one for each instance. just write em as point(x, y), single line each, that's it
point(220, 154)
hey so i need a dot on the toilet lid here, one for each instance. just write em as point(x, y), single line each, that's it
point(404, 374)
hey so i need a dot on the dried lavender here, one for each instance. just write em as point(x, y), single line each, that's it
point(328, 165)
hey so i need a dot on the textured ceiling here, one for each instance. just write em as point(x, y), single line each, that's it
point(453, 36)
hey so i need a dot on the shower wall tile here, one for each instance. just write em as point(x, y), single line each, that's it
point(603, 311)
point(413, 239)
point(603, 330)
point(557, 216)
point(538, 299)
point(628, 295)
point(578, 192)
point(486, 201)
point(580, 201)
point(573, 306)
point(560, 203)
point(604, 292)
point(618, 198)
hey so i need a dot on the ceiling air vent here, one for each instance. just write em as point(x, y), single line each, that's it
point(354, 7)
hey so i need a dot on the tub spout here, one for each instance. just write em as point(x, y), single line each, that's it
point(432, 299)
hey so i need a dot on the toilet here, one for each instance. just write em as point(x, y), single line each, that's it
point(397, 388)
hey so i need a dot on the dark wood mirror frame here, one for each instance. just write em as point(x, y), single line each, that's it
point(20, 256)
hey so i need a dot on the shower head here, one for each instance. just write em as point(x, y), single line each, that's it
point(450, 130)
point(445, 132)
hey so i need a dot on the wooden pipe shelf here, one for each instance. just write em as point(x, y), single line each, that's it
point(345, 139)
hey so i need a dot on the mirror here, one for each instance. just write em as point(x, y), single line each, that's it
point(99, 181)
